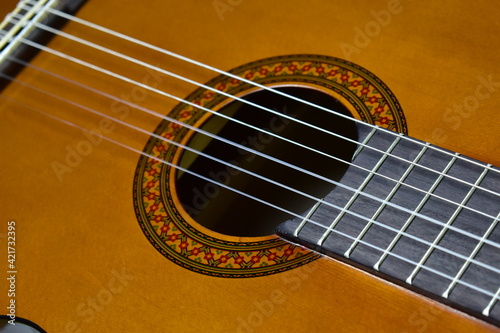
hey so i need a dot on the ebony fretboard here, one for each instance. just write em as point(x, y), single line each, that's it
point(424, 217)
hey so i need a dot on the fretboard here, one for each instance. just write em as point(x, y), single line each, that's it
point(417, 214)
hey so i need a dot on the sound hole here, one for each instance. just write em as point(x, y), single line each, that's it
point(227, 212)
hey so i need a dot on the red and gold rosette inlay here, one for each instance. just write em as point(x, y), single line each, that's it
point(168, 227)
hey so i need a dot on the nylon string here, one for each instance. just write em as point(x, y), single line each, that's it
point(198, 130)
point(172, 54)
point(86, 64)
point(261, 177)
point(338, 184)
point(219, 71)
point(444, 275)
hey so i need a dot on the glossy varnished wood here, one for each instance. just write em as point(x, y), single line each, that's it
point(84, 264)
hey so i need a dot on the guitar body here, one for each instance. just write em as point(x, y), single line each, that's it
point(83, 261)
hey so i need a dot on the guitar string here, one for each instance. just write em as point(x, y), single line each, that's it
point(316, 198)
point(470, 161)
point(465, 265)
point(430, 269)
point(70, 17)
point(358, 192)
point(117, 54)
point(398, 182)
point(488, 166)
point(435, 246)
point(228, 74)
point(209, 110)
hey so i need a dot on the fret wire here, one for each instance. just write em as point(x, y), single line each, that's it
point(479, 289)
point(269, 133)
point(363, 185)
point(466, 264)
point(445, 227)
point(365, 142)
point(383, 205)
point(417, 209)
point(132, 40)
point(495, 296)
point(330, 204)
point(306, 218)
point(492, 302)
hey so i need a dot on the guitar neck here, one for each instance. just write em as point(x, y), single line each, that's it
point(421, 215)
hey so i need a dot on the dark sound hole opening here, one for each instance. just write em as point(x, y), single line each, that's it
point(224, 211)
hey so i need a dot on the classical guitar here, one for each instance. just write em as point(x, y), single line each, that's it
point(249, 166)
